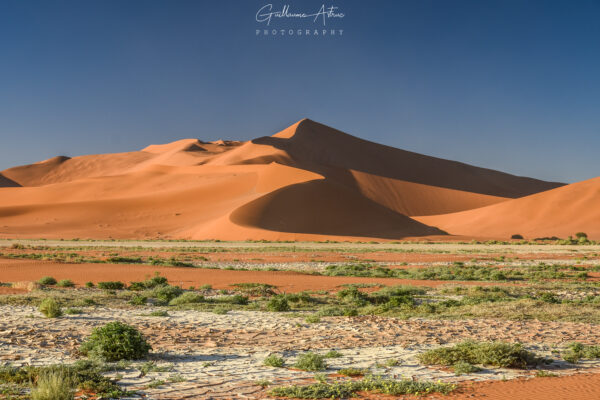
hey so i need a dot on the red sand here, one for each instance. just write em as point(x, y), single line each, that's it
point(574, 387)
point(13, 270)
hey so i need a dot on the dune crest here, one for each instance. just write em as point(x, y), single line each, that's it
point(307, 182)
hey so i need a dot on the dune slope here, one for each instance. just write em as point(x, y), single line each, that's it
point(558, 212)
point(307, 182)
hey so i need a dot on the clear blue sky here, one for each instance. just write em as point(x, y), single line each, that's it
point(509, 85)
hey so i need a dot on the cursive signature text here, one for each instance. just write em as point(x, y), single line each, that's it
point(266, 14)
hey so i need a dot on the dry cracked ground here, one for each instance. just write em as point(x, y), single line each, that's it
point(203, 351)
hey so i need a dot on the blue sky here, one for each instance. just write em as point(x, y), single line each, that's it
point(508, 85)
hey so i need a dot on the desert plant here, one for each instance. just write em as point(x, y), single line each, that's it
point(115, 341)
point(352, 372)
point(53, 385)
point(73, 311)
point(65, 283)
point(138, 300)
point(333, 354)
point(187, 298)
point(50, 308)
point(273, 360)
point(517, 236)
point(278, 304)
point(505, 355)
point(47, 280)
point(463, 367)
point(580, 235)
point(166, 293)
point(111, 285)
point(311, 362)
point(89, 284)
point(577, 351)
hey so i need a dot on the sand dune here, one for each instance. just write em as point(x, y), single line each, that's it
point(558, 212)
point(307, 182)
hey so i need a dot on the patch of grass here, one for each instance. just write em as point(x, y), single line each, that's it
point(47, 280)
point(166, 293)
point(311, 362)
point(498, 354)
point(65, 283)
point(111, 285)
point(158, 313)
point(312, 319)
point(463, 367)
point(138, 300)
point(347, 389)
point(278, 304)
point(89, 284)
point(151, 366)
point(352, 372)
point(221, 309)
point(115, 341)
point(73, 311)
point(187, 298)
point(274, 360)
point(53, 385)
point(578, 351)
point(333, 354)
point(263, 383)
point(541, 373)
point(50, 308)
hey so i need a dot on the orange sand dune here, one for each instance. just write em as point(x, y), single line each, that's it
point(307, 182)
point(558, 212)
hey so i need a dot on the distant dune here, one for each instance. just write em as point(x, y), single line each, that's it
point(559, 212)
point(307, 182)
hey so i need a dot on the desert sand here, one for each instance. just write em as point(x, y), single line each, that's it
point(307, 182)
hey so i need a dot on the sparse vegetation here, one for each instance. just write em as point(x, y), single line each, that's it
point(65, 283)
point(578, 351)
point(111, 285)
point(50, 308)
point(47, 280)
point(498, 354)
point(274, 360)
point(310, 362)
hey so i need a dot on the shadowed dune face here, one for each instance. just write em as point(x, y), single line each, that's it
point(307, 182)
point(327, 208)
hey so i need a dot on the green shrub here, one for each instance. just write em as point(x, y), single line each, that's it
point(278, 304)
point(312, 319)
point(187, 298)
point(166, 293)
point(89, 284)
point(352, 372)
point(581, 235)
point(333, 354)
point(517, 236)
point(111, 285)
point(463, 367)
point(255, 289)
point(311, 362)
point(138, 300)
point(221, 309)
point(65, 283)
point(505, 355)
point(159, 313)
point(50, 308)
point(347, 389)
point(53, 385)
point(47, 280)
point(273, 360)
point(116, 341)
point(73, 311)
point(577, 351)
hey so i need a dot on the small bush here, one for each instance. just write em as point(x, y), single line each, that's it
point(89, 284)
point(333, 354)
point(577, 351)
point(273, 361)
point(50, 308)
point(138, 300)
point(517, 236)
point(187, 298)
point(73, 311)
point(111, 285)
point(311, 362)
point(159, 313)
point(505, 355)
point(221, 310)
point(463, 367)
point(65, 283)
point(116, 341)
point(47, 280)
point(580, 235)
point(53, 385)
point(352, 372)
point(278, 304)
point(166, 293)
point(312, 319)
